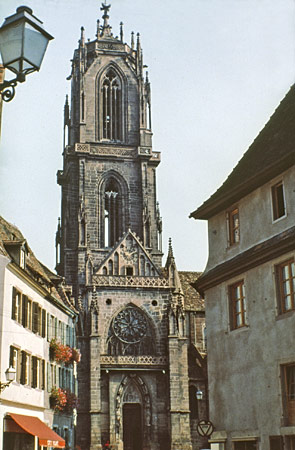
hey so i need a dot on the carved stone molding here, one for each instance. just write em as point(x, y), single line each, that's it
point(132, 281)
point(160, 361)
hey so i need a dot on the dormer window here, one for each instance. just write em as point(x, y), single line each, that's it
point(22, 258)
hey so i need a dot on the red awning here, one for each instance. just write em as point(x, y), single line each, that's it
point(33, 425)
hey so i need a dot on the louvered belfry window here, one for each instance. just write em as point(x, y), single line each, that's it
point(111, 107)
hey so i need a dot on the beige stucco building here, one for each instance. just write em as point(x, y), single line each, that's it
point(249, 291)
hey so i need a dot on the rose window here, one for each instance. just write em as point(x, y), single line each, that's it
point(130, 333)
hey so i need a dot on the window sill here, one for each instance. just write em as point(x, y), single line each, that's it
point(279, 219)
point(240, 329)
point(232, 246)
point(285, 315)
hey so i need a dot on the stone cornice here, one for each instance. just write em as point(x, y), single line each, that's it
point(253, 257)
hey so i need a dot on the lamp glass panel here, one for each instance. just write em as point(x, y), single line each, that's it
point(35, 44)
point(11, 44)
point(10, 374)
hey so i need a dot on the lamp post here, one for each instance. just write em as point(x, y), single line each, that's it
point(10, 377)
point(23, 42)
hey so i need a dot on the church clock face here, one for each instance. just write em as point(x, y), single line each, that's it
point(130, 325)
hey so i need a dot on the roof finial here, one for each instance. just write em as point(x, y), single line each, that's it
point(121, 31)
point(97, 28)
point(170, 249)
point(106, 28)
point(82, 38)
point(132, 40)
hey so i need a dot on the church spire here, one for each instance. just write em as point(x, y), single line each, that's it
point(106, 28)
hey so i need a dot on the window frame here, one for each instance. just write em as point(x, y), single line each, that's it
point(233, 238)
point(15, 361)
point(277, 202)
point(25, 368)
point(233, 301)
point(289, 410)
point(280, 281)
point(16, 311)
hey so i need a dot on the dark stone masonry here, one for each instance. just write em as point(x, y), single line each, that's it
point(141, 328)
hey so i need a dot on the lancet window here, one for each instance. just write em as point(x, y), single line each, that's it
point(111, 91)
point(112, 213)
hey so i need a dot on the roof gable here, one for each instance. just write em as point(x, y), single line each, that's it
point(271, 153)
point(128, 257)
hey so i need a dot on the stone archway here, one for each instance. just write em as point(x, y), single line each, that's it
point(133, 412)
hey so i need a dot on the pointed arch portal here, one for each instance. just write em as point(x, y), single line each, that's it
point(133, 405)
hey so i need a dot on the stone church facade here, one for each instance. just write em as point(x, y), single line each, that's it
point(141, 326)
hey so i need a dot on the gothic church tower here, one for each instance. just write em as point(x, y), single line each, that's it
point(133, 378)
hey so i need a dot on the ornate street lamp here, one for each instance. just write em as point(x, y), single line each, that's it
point(23, 42)
point(199, 394)
point(10, 377)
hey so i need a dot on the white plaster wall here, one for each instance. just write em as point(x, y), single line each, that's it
point(244, 364)
point(13, 333)
point(256, 222)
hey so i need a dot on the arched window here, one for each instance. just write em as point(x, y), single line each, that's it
point(111, 91)
point(112, 217)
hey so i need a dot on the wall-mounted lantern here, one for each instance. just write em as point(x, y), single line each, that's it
point(23, 42)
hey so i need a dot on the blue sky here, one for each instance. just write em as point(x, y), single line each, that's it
point(218, 69)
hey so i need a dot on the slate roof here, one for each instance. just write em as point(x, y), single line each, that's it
point(9, 235)
point(192, 299)
point(272, 152)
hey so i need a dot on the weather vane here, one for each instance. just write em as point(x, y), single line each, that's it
point(105, 7)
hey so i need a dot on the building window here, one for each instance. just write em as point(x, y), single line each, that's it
point(286, 285)
point(111, 106)
point(237, 305)
point(276, 443)
point(245, 445)
point(22, 259)
point(14, 361)
point(204, 337)
point(278, 201)
point(43, 323)
point(27, 312)
point(16, 306)
point(233, 226)
point(36, 369)
point(290, 443)
point(25, 368)
point(129, 271)
point(289, 393)
point(113, 229)
point(36, 323)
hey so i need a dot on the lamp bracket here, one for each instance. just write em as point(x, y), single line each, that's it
point(7, 92)
point(4, 385)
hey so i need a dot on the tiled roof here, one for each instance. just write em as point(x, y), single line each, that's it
point(272, 152)
point(9, 235)
point(192, 299)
